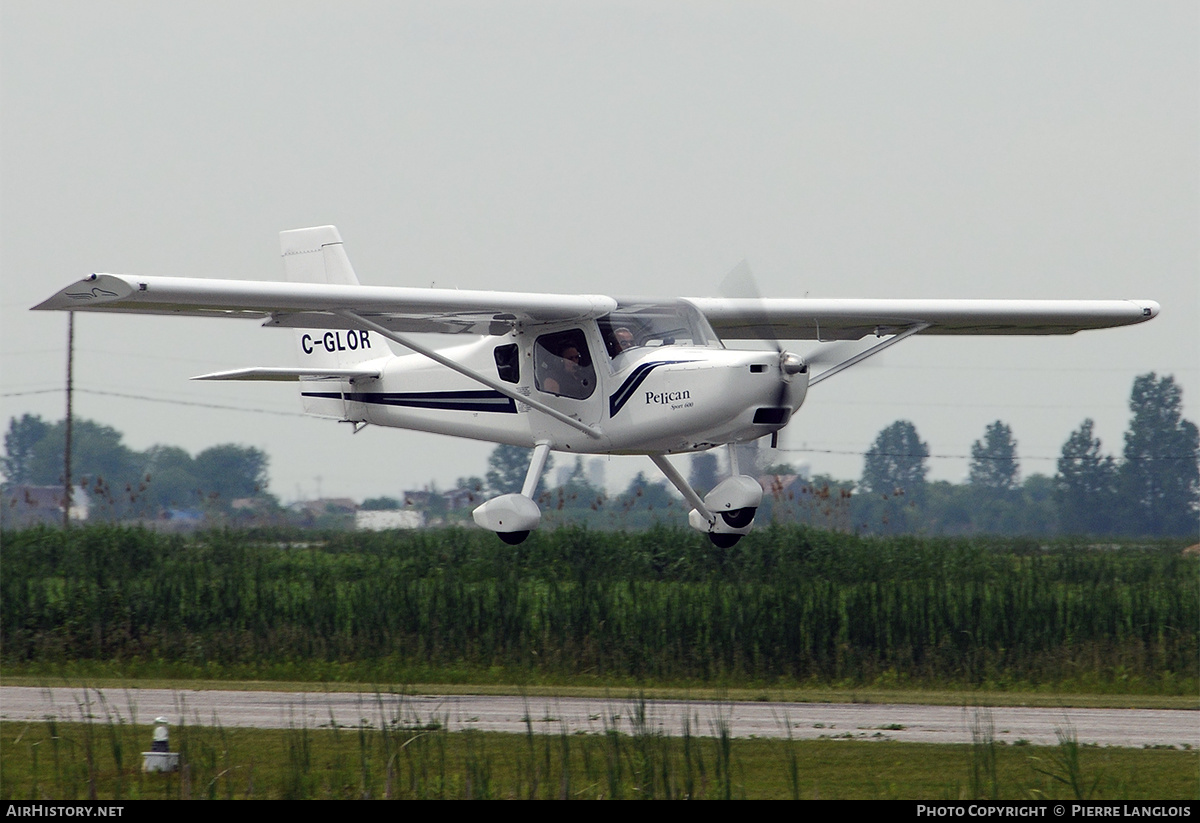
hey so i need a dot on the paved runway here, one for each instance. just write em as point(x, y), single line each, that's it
point(926, 724)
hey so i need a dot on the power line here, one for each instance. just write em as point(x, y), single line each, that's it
point(38, 391)
point(194, 403)
point(1017, 459)
point(162, 400)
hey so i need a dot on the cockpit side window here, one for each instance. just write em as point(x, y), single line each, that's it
point(563, 365)
point(508, 362)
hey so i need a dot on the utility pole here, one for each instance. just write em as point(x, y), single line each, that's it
point(67, 448)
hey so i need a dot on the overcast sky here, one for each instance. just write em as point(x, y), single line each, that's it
point(844, 149)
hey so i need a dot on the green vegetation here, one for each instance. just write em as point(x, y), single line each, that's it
point(1153, 490)
point(121, 483)
point(787, 607)
point(409, 757)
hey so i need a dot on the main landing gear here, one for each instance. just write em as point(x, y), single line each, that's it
point(513, 516)
point(725, 514)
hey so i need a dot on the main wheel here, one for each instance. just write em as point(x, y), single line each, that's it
point(513, 538)
point(724, 541)
point(739, 518)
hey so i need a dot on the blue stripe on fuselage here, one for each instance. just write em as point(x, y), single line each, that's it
point(473, 401)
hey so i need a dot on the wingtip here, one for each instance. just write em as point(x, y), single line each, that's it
point(90, 291)
point(1149, 308)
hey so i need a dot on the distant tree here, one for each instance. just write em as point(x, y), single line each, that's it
point(121, 482)
point(507, 467)
point(576, 493)
point(96, 454)
point(894, 481)
point(20, 441)
point(994, 459)
point(703, 476)
point(229, 471)
point(992, 493)
point(169, 474)
point(472, 483)
point(377, 504)
point(478, 493)
point(642, 494)
point(779, 469)
point(830, 503)
point(1160, 477)
point(1086, 484)
point(897, 461)
point(949, 508)
point(1035, 512)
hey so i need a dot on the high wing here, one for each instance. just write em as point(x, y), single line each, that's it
point(313, 305)
point(400, 309)
point(851, 319)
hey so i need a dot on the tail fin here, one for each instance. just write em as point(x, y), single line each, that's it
point(317, 255)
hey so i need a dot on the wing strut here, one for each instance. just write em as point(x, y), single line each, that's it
point(495, 385)
point(863, 355)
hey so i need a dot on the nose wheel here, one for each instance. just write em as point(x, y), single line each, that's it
point(724, 540)
point(739, 518)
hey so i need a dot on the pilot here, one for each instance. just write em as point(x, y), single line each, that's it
point(571, 379)
point(624, 339)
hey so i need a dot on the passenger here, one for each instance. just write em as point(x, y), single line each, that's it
point(571, 379)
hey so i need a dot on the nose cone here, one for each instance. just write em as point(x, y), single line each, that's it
point(790, 363)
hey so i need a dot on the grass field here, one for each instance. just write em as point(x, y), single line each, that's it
point(101, 760)
point(787, 608)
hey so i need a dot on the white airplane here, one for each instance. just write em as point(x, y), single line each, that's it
point(584, 374)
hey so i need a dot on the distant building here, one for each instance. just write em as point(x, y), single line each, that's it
point(462, 499)
point(30, 505)
point(383, 519)
point(253, 505)
point(418, 499)
point(324, 506)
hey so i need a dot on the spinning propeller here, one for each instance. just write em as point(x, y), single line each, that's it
point(741, 284)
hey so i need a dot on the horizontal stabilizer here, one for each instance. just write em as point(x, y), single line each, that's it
point(290, 374)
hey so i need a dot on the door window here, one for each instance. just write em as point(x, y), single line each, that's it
point(563, 365)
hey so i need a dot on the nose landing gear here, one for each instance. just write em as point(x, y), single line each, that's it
point(726, 513)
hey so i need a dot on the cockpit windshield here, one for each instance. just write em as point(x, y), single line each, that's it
point(636, 324)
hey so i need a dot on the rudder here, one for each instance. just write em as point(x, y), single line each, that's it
point(317, 255)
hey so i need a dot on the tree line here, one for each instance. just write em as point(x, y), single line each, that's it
point(1153, 489)
point(121, 482)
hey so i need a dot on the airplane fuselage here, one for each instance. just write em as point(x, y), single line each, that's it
point(645, 400)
